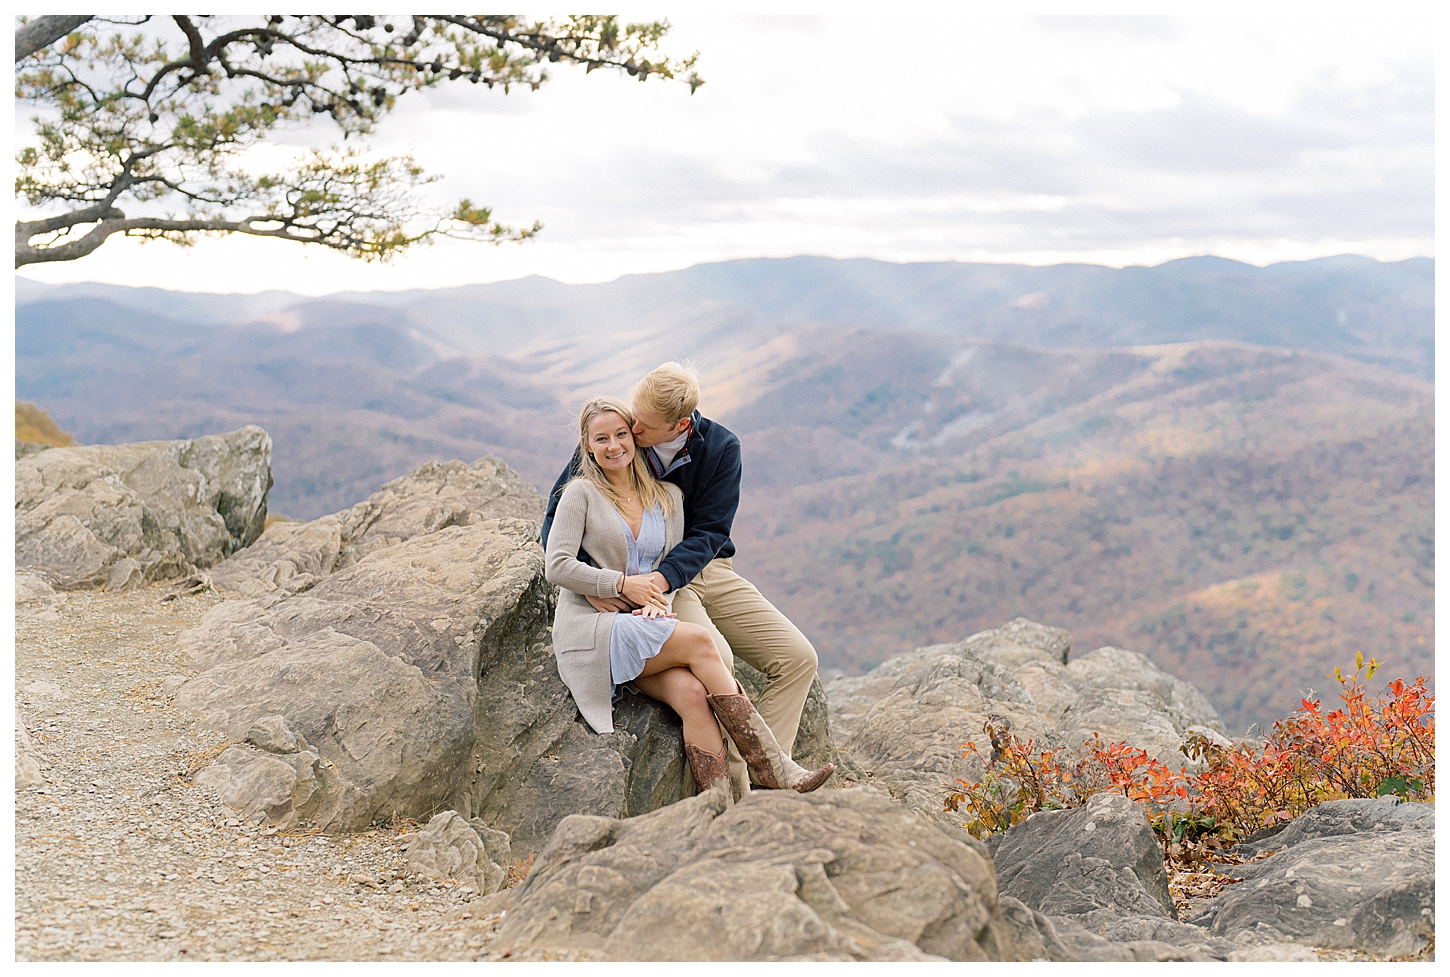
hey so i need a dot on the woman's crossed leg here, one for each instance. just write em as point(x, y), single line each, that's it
point(687, 669)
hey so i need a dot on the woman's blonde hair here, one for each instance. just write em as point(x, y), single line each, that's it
point(651, 492)
point(671, 390)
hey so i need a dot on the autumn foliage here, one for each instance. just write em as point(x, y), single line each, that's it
point(1369, 746)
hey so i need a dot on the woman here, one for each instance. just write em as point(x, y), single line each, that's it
point(625, 522)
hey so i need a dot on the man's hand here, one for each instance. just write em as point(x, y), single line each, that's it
point(605, 605)
point(658, 579)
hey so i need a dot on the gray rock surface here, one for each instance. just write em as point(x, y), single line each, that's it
point(121, 515)
point(1347, 817)
point(904, 724)
point(449, 847)
point(1035, 936)
point(831, 875)
point(422, 669)
point(275, 776)
point(1353, 874)
point(291, 557)
point(407, 639)
point(1078, 861)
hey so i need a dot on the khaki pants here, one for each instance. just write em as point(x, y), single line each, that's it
point(746, 625)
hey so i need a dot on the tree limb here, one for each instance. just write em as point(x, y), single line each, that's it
point(42, 32)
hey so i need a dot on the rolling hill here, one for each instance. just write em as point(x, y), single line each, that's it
point(1226, 467)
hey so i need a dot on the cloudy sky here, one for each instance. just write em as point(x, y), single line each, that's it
point(1115, 140)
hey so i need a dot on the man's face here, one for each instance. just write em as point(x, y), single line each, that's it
point(651, 429)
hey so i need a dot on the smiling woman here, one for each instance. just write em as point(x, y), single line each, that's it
point(614, 627)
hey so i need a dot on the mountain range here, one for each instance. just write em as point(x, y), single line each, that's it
point(1226, 467)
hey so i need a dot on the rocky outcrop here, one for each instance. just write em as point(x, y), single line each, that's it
point(454, 848)
point(832, 875)
point(276, 776)
point(291, 557)
point(1352, 874)
point(121, 515)
point(1078, 861)
point(407, 639)
point(905, 723)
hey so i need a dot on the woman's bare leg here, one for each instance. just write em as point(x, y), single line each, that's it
point(679, 689)
point(692, 647)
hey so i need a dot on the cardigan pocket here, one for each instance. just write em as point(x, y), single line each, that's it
point(575, 624)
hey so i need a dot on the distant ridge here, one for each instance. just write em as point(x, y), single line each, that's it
point(1227, 467)
point(1377, 312)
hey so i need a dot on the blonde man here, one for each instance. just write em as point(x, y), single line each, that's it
point(703, 459)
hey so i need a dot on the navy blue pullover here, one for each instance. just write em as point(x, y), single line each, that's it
point(710, 482)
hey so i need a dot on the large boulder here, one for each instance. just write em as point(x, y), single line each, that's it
point(291, 557)
point(1124, 696)
point(120, 515)
point(831, 875)
point(910, 742)
point(1078, 861)
point(407, 639)
point(904, 724)
point(424, 674)
point(1352, 874)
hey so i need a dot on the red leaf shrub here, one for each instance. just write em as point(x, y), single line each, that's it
point(1366, 748)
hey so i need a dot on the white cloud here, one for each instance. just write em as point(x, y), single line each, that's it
point(1118, 140)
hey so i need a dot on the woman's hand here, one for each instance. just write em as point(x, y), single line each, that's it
point(641, 590)
point(653, 612)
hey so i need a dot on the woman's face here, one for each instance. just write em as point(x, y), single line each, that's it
point(610, 442)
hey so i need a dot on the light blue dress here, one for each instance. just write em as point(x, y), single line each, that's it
point(634, 640)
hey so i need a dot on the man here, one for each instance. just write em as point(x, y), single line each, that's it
point(703, 459)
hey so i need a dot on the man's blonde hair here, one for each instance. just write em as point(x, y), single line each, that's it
point(671, 390)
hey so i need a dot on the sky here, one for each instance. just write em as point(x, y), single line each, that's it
point(1111, 140)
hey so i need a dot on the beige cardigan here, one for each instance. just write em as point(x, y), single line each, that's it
point(586, 519)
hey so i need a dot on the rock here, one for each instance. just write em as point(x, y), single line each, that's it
point(291, 557)
point(910, 740)
point(1050, 644)
point(1347, 817)
point(423, 671)
point(120, 515)
point(287, 790)
point(449, 847)
point(171, 684)
point(1115, 668)
point(493, 904)
point(271, 733)
point(904, 724)
point(1033, 933)
point(27, 771)
point(495, 843)
point(1274, 953)
point(1103, 855)
point(1123, 715)
point(831, 875)
point(125, 574)
point(24, 449)
point(27, 768)
point(31, 587)
point(1355, 874)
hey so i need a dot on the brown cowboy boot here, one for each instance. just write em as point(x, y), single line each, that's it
point(771, 766)
point(707, 767)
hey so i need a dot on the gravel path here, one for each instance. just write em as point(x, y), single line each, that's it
point(119, 857)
